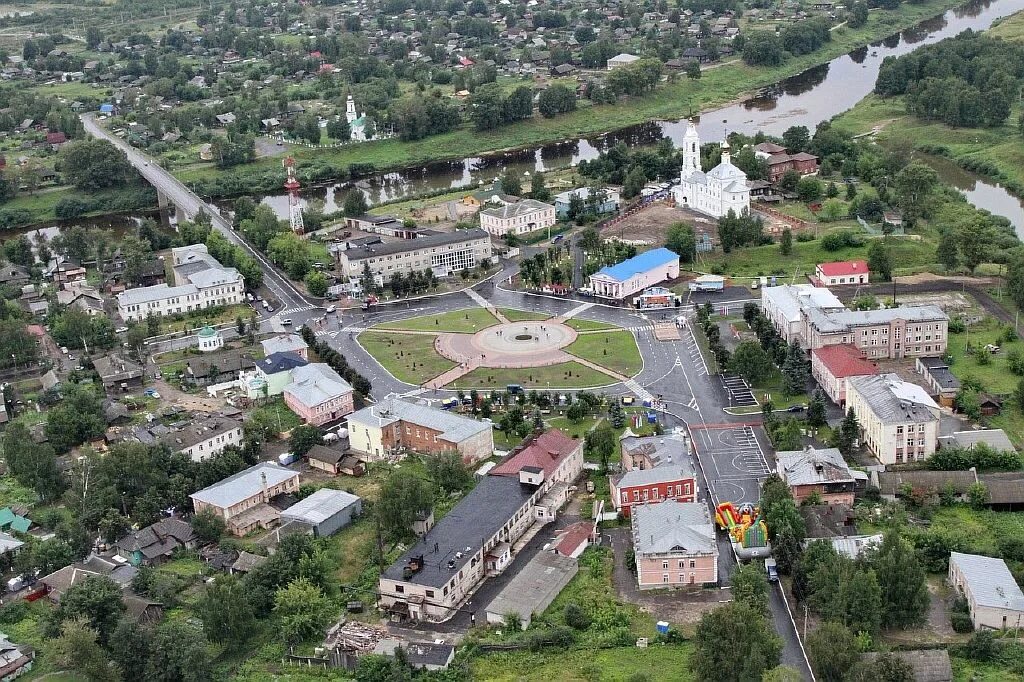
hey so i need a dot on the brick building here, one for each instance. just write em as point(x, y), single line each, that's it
point(675, 545)
point(676, 482)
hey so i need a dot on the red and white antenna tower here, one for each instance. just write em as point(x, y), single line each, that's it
point(294, 203)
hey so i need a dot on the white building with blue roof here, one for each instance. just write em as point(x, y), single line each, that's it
point(644, 270)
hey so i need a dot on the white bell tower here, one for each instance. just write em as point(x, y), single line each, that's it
point(691, 149)
point(350, 109)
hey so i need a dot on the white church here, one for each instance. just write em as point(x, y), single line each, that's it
point(357, 124)
point(714, 193)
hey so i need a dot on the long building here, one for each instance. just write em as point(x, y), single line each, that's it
point(912, 331)
point(445, 254)
point(200, 282)
point(783, 306)
point(394, 424)
point(635, 274)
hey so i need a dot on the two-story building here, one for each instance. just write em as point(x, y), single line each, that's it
point(205, 438)
point(552, 460)
point(899, 421)
point(638, 487)
point(675, 545)
point(202, 283)
point(648, 452)
point(832, 367)
point(519, 218)
point(394, 424)
point(602, 200)
point(782, 306)
point(242, 500)
point(444, 254)
point(318, 394)
point(469, 544)
point(821, 472)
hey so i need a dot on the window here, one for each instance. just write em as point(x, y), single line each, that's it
point(664, 578)
point(399, 589)
point(430, 593)
point(693, 563)
point(664, 564)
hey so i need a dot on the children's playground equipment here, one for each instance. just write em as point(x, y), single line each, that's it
point(746, 528)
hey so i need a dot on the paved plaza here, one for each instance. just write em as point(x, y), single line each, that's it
point(515, 344)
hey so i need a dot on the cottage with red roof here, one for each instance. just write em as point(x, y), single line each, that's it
point(573, 540)
point(842, 272)
point(831, 366)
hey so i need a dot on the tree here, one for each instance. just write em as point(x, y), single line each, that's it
point(354, 204)
point(93, 165)
point(208, 526)
point(303, 438)
point(129, 647)
point(786, 243)
point(338, 129)
point(487, 106)
point(76, 419)
point(33, 465)
point(796, 139)
point(763, 48)
point(77, 649)
point(178, 654)
point(750, 586)
point(601, 442)
point(693, 69)
point(808, 189)
point(880, 259)
point(946, 251)
point(885, 668)
point(227, 613)
point(913, 187)
point(849, 432)
point(538, 190)
point(747, 631)
point(556, 99)
point(316, 283)
point(449, 473)
point(403, 497)
point(842, 591)
point(302, 609)
point(795, 370)
point(816, 409)
point(832, 650)
point(635, 180)
point(750, 362)
point(858, 15)
point(901, 577)
point(510, 183)
point(782, 673)
point(680, 239)
point(97, 600)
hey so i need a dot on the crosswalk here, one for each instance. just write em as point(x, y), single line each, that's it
point(297, 309)
point(639, 390)
point(577, 310)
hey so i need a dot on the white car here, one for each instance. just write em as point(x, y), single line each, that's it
point(121, 330)
point(332, 308)
point(287, 321)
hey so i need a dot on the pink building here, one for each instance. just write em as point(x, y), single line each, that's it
point(675, 545)
point(831, 366)
point(318, 395)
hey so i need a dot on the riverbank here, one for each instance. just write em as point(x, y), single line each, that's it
point(995, 153)
point(717, 87)
point(28, 211)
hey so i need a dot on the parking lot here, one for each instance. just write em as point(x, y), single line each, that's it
point(738, 391)
point(732, 459)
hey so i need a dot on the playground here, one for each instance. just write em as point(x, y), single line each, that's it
point(746, 527)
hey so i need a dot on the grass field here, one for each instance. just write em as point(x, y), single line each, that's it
point(615, 350)
point(669, 662)
point(579, 430)
point(1011, 28)
point(909, 255)
point(588, 325)
point(672, 100)
point(465, 321)
point(564, 375)
point(995, 377)
point(409, 357)
point(522, 315)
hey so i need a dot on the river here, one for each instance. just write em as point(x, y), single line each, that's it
point(806, 99)
point(981, 192)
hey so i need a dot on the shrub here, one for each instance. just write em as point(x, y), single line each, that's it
point(961, 622)
point(575, 617)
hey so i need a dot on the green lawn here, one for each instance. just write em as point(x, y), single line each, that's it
point(909, 255)
point(616, 350)
point(522, 315)
point(588, 325)
point(564, 375)
point(1011, 28)
point(12, 492)
point(579, 430)
point(409, 357)
point(201, 318)
point(465, 321)
point(667, 662)
point(285, 419)
point(994, 377)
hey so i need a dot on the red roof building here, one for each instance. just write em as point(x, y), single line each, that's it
point(55, 139)
point(557, 456)
point(465, 61)
point(842, 272)
point(831, 366)
point(573, 540)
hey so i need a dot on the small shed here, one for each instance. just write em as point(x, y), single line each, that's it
point(532, 589)
point(326, 511)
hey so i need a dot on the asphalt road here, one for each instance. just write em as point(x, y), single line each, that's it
point(190, 204)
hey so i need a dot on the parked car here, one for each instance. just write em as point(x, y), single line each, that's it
point(287, 321)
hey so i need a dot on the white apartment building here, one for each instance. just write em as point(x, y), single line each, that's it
point(522, 217)
point(206, 438)
point(783, 304)
point(201, 282)
point(899, 421)
point(445, 254)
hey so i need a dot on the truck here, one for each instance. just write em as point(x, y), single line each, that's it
point(772, 570)
point(287, 458)
point(708, 283)
point(368, 302)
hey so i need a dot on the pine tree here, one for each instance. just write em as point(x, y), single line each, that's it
point(786, 243)
point(816, 409)
point(848, 433)
point(794, 370)
point(616, 415)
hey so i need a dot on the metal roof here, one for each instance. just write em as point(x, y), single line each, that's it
point(417, 244)
point(454, 428)
point(893, 400)
point(989, 581)
point(790, 299)
point(244, 484)
point(280, 362)
point(283, 343)
point(638, 264)
point(316, 383)
point(812, 466)
point(535, 586)
point(672, 526)
point(517, 209)
point(660, 474)
point(320, 506)
point(995, 438)
point(157, 292)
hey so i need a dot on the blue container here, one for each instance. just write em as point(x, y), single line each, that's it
point(652, 417)
point(662, 626)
